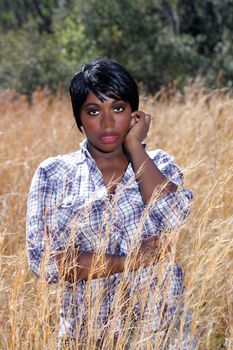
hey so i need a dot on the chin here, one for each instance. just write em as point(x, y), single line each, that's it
point(106, 148)
point(109, 148)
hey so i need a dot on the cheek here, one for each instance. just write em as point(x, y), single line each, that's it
point(89, 126)
point(125, 121)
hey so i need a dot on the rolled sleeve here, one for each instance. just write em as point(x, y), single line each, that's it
point(171, 210)
point(40, 257)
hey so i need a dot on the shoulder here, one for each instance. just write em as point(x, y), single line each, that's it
point(55, 168)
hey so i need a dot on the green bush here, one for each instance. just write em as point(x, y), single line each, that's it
point(29, 60)
point(42, 43)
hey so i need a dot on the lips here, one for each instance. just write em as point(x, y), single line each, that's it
point(109, 137)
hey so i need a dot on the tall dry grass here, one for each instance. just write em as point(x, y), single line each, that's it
point(197, 128)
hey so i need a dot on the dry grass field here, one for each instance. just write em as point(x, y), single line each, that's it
point(197, 129)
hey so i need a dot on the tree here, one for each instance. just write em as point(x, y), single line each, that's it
point(157, 40)
point(137, 34)
point(14, 14)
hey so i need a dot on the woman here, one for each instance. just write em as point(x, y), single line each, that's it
point(96, 216)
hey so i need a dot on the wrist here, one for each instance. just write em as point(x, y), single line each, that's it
point(133, 146)
point(116, 263)
point(122, 261)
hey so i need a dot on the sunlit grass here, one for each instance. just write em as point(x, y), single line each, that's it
point(196, 128)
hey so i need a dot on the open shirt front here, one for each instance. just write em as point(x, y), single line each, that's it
point(69, 205)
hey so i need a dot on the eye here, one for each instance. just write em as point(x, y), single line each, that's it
point(93, 112)
point(118, 109)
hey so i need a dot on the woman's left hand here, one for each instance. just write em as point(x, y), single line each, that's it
point(139, 127)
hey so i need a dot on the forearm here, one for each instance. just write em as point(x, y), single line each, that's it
point(75, 266)
point(149, 176)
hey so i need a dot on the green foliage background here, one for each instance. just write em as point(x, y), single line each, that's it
point(43, 42)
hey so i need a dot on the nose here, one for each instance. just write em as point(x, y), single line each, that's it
point(107, 120)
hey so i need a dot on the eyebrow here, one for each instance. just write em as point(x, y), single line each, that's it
point(90, 104)
point(99, 104)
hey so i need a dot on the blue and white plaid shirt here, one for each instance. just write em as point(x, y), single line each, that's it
point(69, 204)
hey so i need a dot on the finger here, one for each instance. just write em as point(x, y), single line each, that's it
point(148, 118)
point(141, 116)
point(152, 239)
point(132, 122)
point(148, 121)
point(138, 114)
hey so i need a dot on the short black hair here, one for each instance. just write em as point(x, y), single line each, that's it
point(104, 78)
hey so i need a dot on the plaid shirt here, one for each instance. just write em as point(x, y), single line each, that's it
point(69, 204)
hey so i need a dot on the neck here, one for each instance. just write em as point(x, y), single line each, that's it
point(98, 154)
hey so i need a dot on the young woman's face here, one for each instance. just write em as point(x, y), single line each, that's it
point(105, 123)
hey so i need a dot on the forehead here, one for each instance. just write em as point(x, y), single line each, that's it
point(93, 99)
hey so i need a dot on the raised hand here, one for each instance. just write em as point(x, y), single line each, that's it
point(148, 175)
point(139, 128)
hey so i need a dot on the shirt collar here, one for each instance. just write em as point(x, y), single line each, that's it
point(85, 153)
point(83, 147)
point(93, 168)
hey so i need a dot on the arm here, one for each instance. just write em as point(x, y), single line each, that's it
point(40, 262)
point(150, 178)
point(171, 206)
point(76, 266)
point(55, 259)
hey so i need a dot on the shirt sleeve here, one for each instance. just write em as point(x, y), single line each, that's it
point(40, 258)
point(171, 210)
